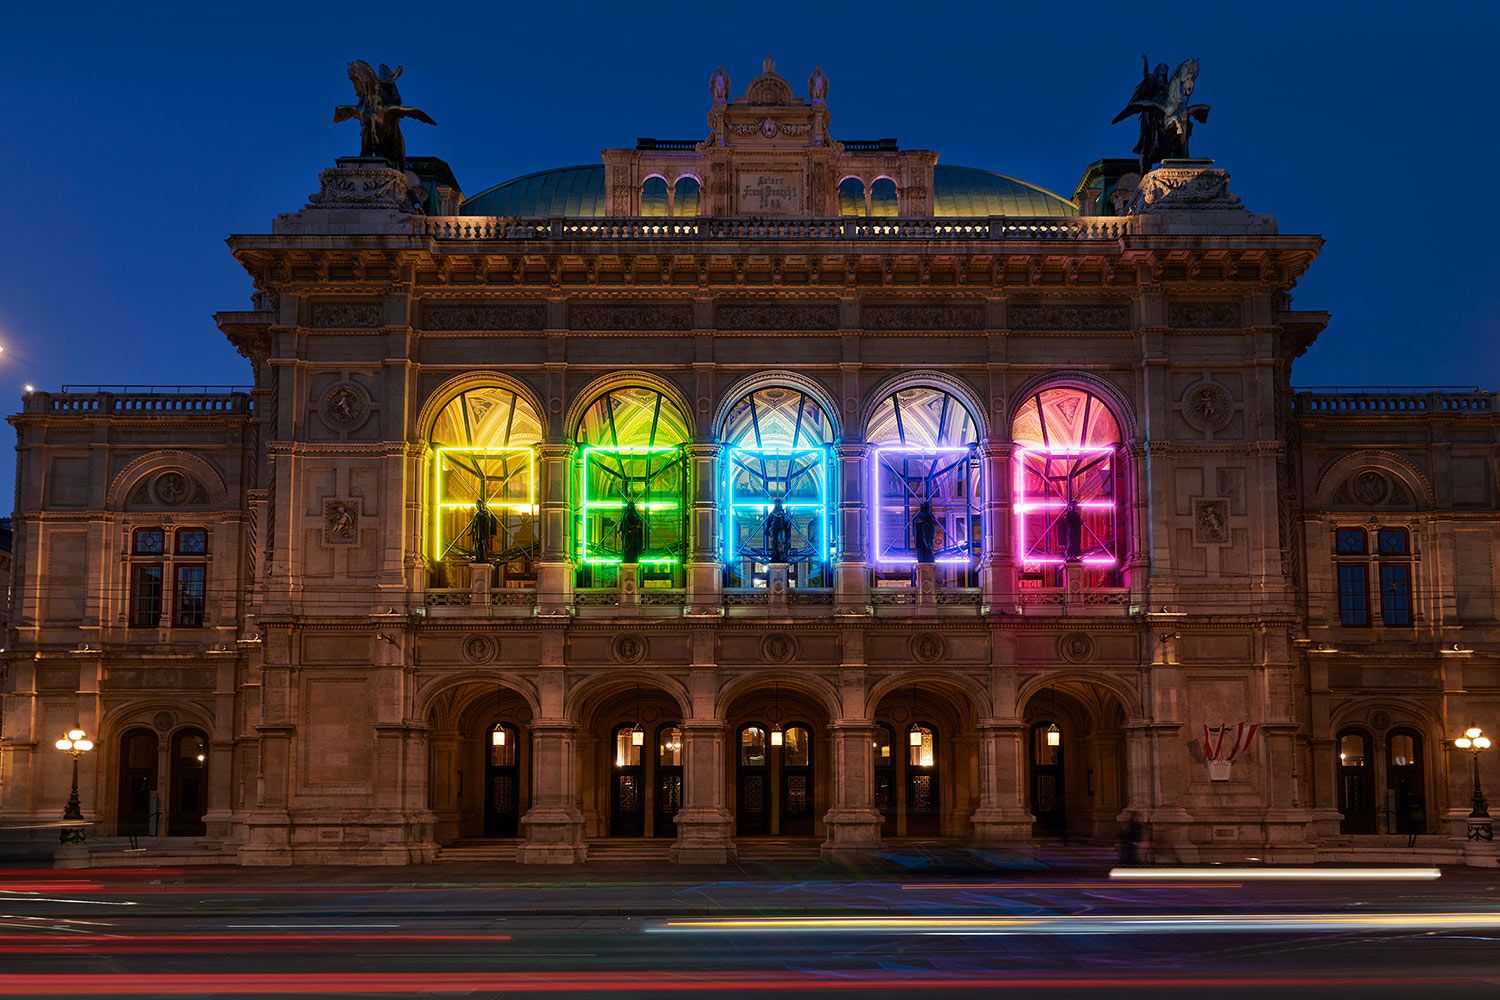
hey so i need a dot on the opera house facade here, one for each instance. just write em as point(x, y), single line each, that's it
point(759, 494)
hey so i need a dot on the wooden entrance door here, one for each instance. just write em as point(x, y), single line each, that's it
point(1047, 803)
point(1404, 779)
point(752, 800)
point(667, 786)
point(502, 782)
point(189, 782)
point(923, 816)
point(137, 795)
point(627, 800)
point(796, 782)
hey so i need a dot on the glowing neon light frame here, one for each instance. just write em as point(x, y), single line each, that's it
point(590, 552)
point(1023, 506)
point(442, 464)
point(935, 454)
point(823, 547)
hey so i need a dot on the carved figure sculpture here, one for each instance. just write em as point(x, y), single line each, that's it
point(778, 533)
point(632, 534)
point(379, 112)
point(1072, 532)
point(483, 528)
point(340, 520)
point(1167, 118)
point(817, 86)
point(718, 86)
point(924, 533)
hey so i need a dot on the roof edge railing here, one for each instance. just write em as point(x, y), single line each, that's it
point(990, 228)
point(1395, 400)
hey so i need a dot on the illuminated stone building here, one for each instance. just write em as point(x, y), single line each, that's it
point(832, 496)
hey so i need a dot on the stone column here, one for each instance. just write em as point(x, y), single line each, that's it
point(705, 829)
point(554, 580)
point(997, 569)
point(552, 829)
point(705, 578)
point(853, 824)
point(851, 572)
point(1002, 817)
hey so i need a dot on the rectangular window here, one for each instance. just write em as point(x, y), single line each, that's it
point(1354, 595)
point(1395, 594)
point(192, 541)
point(1349, 541)
point(188, 601)
point(149, 542)
point(145, 595)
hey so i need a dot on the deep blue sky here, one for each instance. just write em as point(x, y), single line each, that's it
point(135, 138)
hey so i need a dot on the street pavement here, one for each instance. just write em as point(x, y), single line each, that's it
point(962, 929)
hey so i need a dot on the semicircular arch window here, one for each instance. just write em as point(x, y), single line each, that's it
point(631, 502)
point(1068, 488)
point(778, 473)
point(924, 487)
point(482, 449)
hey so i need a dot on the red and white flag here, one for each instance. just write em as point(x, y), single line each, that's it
point(1228, 743)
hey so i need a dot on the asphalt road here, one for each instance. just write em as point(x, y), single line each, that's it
point(465, 931)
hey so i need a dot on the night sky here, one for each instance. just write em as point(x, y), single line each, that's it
point(135, 138)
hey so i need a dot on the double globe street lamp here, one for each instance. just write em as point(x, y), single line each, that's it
point(75, 744)
point(1474, 742)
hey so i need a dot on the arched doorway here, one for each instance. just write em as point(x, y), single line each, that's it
point(1077, 785)
point(137, 805)
point(479, 762)
point(1356, 785)
point(189, 785)
point(925, 759)
point(1404, 780)
point(778, 771)
point(632, 762)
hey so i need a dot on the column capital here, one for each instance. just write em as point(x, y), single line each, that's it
point(555, 449)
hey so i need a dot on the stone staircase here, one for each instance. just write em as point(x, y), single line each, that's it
point(490, 851)
point(144, 852)
point(629, 850)
point(777, 850)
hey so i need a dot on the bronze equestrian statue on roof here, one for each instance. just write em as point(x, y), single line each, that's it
point(379, 112)
point(1166, 116)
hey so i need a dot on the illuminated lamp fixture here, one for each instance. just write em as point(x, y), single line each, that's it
point(497, 736)
point(1054, 735)
point(637, 734)
point(914, 736)
point(1474, 742)
point(75, 744)
point(777, 736)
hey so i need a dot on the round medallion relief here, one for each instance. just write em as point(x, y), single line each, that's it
point(927, 648)
point(1076, 647)
point(1370, 487)
point(1207, 406)
point(345, 406)
point(778, 647)
point(480, 648)
point(171, 488)
point(1380, 719)
point(628, 648)
point(164, 721)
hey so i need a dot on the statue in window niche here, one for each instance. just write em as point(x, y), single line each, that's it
point(483, 528)
point(924, 533)
point(1072, 532)
point(632, 534)
point(778, 533)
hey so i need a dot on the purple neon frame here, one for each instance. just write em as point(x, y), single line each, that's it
point(875, 500)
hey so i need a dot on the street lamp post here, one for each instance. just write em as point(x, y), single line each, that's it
point(75, 745)
point(1474, 742)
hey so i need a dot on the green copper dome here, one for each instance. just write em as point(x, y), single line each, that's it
point(578, 192)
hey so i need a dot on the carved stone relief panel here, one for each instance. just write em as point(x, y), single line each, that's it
point(1204, 315)
point(346, 315)
point(341, 521)
point(922, 316)
point(344, 406)
point(776, 316)
point(484, 316)
point(643, 316)
point(1207, 406)
point(778, 647)
point(1033, 316)
point(1211, 520)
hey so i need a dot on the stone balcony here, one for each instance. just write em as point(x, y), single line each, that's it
point(141, 401)
point(1395, 402)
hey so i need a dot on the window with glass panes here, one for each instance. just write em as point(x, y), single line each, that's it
point(1393, 550)
point(1353, 577)
point(160, 555)
point(1387, 567)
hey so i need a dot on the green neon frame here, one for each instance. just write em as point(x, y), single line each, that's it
point(530, 506)
point(646, 504)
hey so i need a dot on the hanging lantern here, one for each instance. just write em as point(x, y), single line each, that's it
point(1054, 735)
point(915, 736)
point(497, 736)
point(637, 736)
point(777, 736)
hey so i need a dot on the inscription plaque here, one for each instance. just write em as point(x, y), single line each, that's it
point(764, 192)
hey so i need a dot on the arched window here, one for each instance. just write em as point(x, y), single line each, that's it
point(777, 452)
point(654, 198)
point(924, 486)
point(686, 196)
point(1068, 498)
point(484, 486)
point(883, 201)
point(632, 477)
point(851, 196)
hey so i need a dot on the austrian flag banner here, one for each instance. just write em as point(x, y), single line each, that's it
point(1228, 743)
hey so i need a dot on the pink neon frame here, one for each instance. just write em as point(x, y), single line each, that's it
point(875, 499)
point(1021, 507)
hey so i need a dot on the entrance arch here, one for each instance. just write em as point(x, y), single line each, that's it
point(630, 759)
point(479, 761)
point(925, 759)
point(1076, 774)
point(778, 773)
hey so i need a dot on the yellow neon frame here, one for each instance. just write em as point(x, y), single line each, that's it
point(437, 486)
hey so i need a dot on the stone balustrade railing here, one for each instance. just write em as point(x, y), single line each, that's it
point(979, 228)
point(139, 404)
point(1396, 402)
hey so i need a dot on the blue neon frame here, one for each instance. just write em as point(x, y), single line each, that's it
point(762, 505)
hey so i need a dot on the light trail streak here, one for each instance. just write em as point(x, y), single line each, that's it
point(1068, 924)
point(1280, 874)
point(1029, 886)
